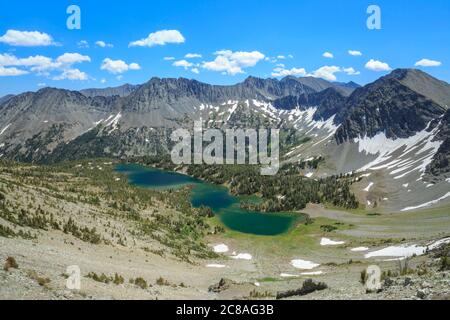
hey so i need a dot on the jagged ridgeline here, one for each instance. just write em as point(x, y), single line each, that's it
point(54, 124)
point(397, 124)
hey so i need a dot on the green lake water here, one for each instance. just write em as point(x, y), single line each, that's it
point(218, 198)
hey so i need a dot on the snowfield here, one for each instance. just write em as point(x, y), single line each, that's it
point(221, 248)
point(369, 187)
point(4, 129)
point(242, 256)
point(415, 153)
point(428, 204)
point(216, 266)
point(303, 264)
point(360, 249)
point(328, 242)
point(397, 251)
point(406, 251)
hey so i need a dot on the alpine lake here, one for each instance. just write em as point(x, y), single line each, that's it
point(224, 205)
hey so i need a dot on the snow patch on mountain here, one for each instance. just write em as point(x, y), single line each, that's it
point(304, 264)
point(232, 111)
point(427, 204)
point(267, 108)
point(221, 248)
point(397, 251)
point(400, 156)
point(4, 129)
point(328, 242)
point(369, 187)
point(302, 118)
point(360, 249)
point(242, 256)
point(114, 123)
point(216, 266)
point(406, 251)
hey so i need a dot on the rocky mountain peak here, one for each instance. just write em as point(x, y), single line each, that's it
point(424, 84)
point(399, 104)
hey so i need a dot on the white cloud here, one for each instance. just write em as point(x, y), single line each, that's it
point(42, 84)
point(428, 63)
point(11, 72)
point(35, 63)
point(83, 44)
point(376, 65)
point(282, 72)
point(271, 59)
point(355, 53)
point(182, 63)
point(232, 63)
point(118, 66)
point(103, 80)
point(195, 70)
point(193, 56)
point(114, 66)
point(44, 65)
point(327, 73)
point(103, 44)
point(351, 71)
point(26, 38)
point(169, 58)
point(328, 55)
point(7, 59)
point(11, 60)
point(277, 58)
point(72, 74)
point(72, 58)
point(159, 38)
point(134, 66)
point(40, 63)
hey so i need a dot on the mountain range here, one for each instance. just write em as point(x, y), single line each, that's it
point(395, 130)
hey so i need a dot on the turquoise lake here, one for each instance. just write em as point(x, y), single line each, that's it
point(224, 205)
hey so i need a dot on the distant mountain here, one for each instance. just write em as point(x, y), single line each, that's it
point(318, 84)
point(349, 85)
point(424, 84)
point(130, 120)
point(5, 98)
point(34, 124)
point(121, 91)
point(328, 102)
point(398, 125)
point(396, 104)
point(159, 101)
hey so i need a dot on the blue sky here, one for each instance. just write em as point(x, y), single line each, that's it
point(235, 39)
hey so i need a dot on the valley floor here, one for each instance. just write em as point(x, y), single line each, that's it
point(170, 263)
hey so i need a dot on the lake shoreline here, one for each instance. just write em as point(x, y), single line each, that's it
point(226, 206)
